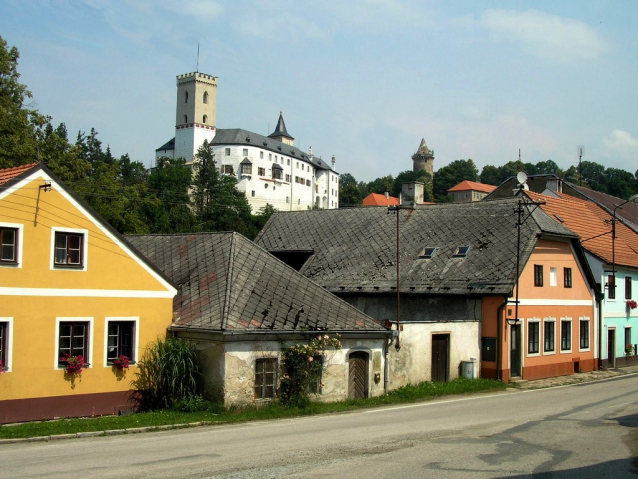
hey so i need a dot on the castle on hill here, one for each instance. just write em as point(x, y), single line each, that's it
point(269, 169)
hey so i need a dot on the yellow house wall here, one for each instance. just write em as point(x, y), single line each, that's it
point(33, 294)
point(34, 367)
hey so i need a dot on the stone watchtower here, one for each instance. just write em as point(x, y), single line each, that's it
point(423, 159)
point(195, 113)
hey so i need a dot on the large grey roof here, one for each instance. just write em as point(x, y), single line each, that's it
point(355, 248)
point(237, 136)
point(226, 282)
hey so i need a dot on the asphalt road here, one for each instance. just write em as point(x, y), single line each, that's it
point(583, 431)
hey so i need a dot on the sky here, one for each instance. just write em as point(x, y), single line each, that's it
point(363, 80)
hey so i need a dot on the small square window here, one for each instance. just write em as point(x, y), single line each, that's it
point(538, 275)
point(428, 253)
point(567, 273)
point(227, 151)
point(461, 251)
point(261, 155)
point(120, 341)
point(245, 152)
point(8, 245)
point(69, 249)
point(265, 378)
point(261, 171)
point(252, 193)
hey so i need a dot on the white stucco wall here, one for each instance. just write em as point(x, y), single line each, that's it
point(230, 369)
point(413, 362)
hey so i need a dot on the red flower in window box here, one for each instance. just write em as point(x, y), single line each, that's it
point(74, 364)
point(631, 304)
point(1, 367)
point(121, 362)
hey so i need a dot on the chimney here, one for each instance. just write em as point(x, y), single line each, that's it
point(334, 162)
point(412, 193)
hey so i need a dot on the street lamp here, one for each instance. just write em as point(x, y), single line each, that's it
point(632, 199)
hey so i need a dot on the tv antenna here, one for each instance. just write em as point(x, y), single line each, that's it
point(581, 152)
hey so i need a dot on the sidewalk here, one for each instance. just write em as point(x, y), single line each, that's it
point(576, 378)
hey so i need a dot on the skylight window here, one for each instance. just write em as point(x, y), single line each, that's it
point(461, 252)
point(559, 218)
point(427, 253)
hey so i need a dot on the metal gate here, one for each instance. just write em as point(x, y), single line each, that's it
point(358, 375)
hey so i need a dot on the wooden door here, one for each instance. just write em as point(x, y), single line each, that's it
point(440, 357)
point(358, 375)
point(611, 348)
point(515, 350)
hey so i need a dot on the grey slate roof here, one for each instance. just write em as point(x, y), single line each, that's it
point(225, 282)
point(280, 129)
point(169, 145)
point(355, 248)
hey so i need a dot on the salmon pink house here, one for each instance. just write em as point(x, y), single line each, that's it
point(78, 304)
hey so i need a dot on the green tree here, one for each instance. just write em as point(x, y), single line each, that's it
point(349, 192)
point(19, 125)
point(451, 175)
point(381, 185)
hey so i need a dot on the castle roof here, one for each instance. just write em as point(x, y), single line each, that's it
point(423, 149)
point(280, 130)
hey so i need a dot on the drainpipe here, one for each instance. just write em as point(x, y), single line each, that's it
point(386, 365)
point(499, 335)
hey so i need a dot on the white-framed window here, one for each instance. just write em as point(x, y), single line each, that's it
point(227, 151)
point(533, 337)
point(549, 336)
point(245, 152)
point(6, 343)
point(565, 335)
point(11, 240)
point(228, 170)
point(553, 276)
point(73, 336)
point(261, 171)
point(121, 339)
point(287, 162)
point(584, 333)
point(69, 248)
point(261, 155)
point(265, 378)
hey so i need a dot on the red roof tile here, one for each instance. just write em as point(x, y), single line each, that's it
point(467, 185)
point(593, 225)
point(10, 173)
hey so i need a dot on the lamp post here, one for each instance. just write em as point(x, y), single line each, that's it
point(632, 199)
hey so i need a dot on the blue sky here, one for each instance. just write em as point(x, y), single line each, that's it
point(363, 80)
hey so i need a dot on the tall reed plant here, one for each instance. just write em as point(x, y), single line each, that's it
point(167, 373)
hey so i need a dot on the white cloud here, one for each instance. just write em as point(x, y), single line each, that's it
point(546, 36)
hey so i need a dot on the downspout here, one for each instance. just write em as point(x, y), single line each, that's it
point(599, 299)
point(499, 335)
point(386, 365)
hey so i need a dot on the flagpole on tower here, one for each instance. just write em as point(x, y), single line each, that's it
point(197, 57)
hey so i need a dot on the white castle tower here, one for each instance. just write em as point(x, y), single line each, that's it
point(195, 113)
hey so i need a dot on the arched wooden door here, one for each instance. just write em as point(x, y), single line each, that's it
point(358, 375)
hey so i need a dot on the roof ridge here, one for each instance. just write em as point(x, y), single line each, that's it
point(229, 282)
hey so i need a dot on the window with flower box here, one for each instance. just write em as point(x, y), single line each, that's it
point(73, 339)
point(265, 378)
point(120, 340)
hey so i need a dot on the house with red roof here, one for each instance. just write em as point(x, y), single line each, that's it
point(375, 199)
point(614, 262)
point(470, 191)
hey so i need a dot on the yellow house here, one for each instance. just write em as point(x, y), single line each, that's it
point(70, 286)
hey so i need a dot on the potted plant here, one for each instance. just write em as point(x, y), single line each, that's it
point(74, 364)
point(629, 350)
point(122, 362)
point(1, 367)
point(631, 304)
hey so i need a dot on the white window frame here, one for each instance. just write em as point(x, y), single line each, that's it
point(571, 337)
point(553, 276)
point(588, 320)
point(57, 339)
point(549, 320)
point(85, 248)
point(244, 152)
point(226, 151)
point(135, 339)
point(8, 344)
point(19, 244)
point(540, 344)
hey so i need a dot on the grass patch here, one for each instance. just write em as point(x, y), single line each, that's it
point(219, 415)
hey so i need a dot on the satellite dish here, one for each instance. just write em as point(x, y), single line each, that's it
point(521, 177)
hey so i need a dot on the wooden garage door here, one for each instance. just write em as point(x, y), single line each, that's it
point(358, 375)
